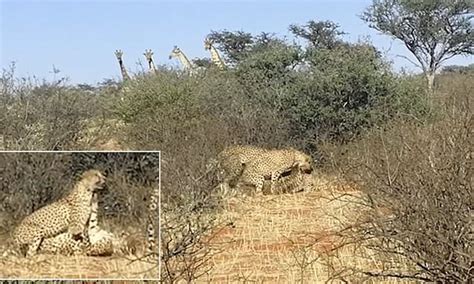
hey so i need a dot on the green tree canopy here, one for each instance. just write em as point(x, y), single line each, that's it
point(322, 34)
point(432, 30)
point(232, 44)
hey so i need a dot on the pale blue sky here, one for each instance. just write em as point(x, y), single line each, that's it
point(80, 37)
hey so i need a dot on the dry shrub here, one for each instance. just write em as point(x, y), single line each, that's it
point(419, 178)
point(40, 115)
point(191, 119)
point(185, 248)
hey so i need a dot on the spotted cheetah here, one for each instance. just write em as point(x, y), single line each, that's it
point(97, 243)
point(100, 243)
point(63, 243)
point(231, 162)
point(69, 214)
point(271, 165)
point(291, 181)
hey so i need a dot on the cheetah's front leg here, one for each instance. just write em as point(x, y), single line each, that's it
point(79, 220)
point(274, 178)
point(259, 185)
point(34, 246)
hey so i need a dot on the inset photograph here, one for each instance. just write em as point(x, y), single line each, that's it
point(79, 215)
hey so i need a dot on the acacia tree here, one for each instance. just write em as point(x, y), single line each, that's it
point(322, 34)
point(432, 30)
point(233, 44)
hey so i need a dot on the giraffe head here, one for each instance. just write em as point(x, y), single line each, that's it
point(207, 43)
point(119, 54)
point(175, 52)
point(148, 55)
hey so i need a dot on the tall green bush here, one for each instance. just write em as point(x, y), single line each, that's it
point(341, 92)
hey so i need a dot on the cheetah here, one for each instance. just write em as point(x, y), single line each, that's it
point(69, 214)
point(292, 181)
point(100, 243)
point(231, 162)
point(271, 165)
point(97, 243)
point(63, 243)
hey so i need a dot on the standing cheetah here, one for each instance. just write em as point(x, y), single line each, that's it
point(271, 165)
point(231, 162)
point(69, 214)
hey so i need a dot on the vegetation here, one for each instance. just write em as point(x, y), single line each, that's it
point(432, 30)
point(340, 101)
point(420, 175)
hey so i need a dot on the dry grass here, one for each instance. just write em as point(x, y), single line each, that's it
point(293, 238)
point(102, 134)
point(45, 266)
point(76, 267)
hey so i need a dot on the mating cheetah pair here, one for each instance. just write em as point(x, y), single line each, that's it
point(241, 166)
point(69, 225)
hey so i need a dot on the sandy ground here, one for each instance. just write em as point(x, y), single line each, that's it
point(293, 238)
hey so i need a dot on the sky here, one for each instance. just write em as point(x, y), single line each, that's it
point(79, 37)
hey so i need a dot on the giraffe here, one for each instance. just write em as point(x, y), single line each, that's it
point(149, 58)
point(178, 53)
point(119, 54)
point(216, 59)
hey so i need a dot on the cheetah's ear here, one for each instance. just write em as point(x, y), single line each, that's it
point(296, 163)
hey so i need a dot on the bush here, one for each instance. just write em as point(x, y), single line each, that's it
point(191, 119)
point(43, 116)
point(268, 64)
point(345, 90)
point(420, 177)
point(275, 95)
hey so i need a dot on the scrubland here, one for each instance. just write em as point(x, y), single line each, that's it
point(392, 194)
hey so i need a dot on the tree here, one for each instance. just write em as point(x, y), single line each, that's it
point(323, 34)
point(239, 46)
point(343, 92)
point(432, 30)
point(232, 44)
point(202, 62)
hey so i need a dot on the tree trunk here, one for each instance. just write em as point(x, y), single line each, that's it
point(430, 78)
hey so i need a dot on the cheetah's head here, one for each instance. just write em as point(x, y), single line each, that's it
point(304, 162)
point(93, 180)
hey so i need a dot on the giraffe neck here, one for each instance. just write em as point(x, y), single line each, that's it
point(185, 61)
point(123, 70)
point(151, 65)
point(216, 58)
